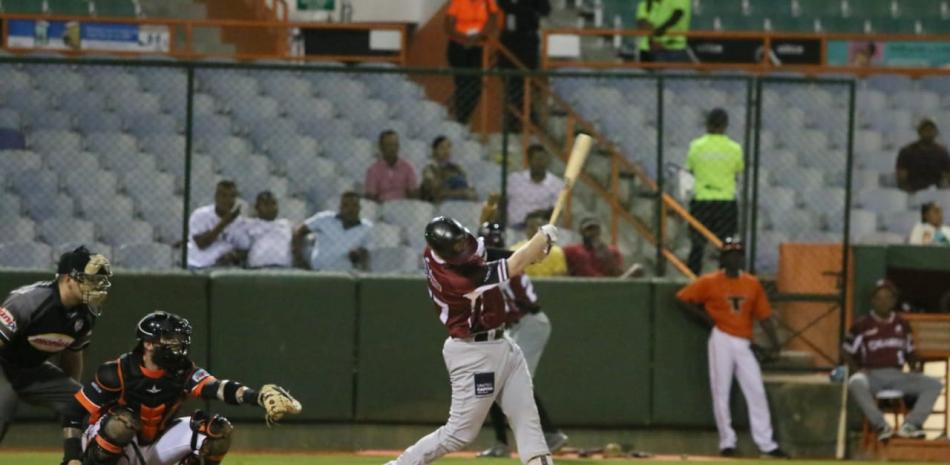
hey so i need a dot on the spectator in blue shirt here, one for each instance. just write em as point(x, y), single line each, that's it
point(340, 238)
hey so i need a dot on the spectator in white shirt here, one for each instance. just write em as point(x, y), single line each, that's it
point(212, 240)
point(533, 189)
point(266, 238)
point(930, 230)
point(341, 238)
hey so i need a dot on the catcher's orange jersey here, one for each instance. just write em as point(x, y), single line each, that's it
point(732, 303)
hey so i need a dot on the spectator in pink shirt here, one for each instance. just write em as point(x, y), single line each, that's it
point(391, 177)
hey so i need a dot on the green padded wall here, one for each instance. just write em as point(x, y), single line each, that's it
point(290, 328)
point(596, 367)
point(870, 265)
point(401, 376)
point(681, 379)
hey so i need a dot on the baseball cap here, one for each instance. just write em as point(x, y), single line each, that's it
point(925, 123)
point(588, 222)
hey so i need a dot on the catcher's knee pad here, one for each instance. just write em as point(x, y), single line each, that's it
point(217, 431)
point(541, 460)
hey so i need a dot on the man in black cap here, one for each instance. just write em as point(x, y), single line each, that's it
point(714, 160)
point(44, 319)
point(923, 163)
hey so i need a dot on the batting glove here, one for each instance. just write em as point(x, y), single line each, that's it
point(550, 231)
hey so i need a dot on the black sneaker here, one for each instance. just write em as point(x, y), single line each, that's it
point(728, 452)
point(776, 453)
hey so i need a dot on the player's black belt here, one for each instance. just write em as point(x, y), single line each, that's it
point(490, 335)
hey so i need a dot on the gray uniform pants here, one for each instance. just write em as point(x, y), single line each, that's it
point(45, 385)
point(480, 374)
point(531, 333)
point(864, 384)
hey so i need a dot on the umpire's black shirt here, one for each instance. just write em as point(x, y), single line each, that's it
point(34, 326)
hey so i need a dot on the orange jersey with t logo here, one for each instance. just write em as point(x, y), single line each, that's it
point(732, 303)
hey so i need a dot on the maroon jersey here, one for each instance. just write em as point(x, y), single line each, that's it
point(520, 297)
point(460, 292)
point(154, 395)
point(880, 343)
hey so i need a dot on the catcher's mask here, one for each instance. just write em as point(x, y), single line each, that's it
point(92, 272)
point(171, 335)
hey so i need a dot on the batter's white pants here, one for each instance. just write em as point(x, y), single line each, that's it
point(730, 355)
point(471, 365)
point(531, 333)
point(170, 448)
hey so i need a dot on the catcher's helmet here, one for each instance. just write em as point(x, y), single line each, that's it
point(450, 240)
point(493, 234)
point(159, 325)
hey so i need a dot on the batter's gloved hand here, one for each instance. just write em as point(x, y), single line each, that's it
point(277, 402)
point(549, 231)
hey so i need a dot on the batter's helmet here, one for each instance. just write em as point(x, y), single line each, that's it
point(493, 234)
point(450, 240)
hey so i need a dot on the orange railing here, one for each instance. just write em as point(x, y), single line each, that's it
point(185, 28)
point(764, 65)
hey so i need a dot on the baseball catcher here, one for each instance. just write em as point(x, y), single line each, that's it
point(128, 412)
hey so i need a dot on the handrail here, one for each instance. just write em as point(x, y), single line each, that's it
point(618, 163)
point(188, 25)
point(763, 65)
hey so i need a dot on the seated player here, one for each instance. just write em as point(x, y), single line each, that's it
point(132, 404)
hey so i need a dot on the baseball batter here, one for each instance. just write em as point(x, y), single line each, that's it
point(530, 328)
point(729, 300)
point(132, 402)
point(483, 364)
point(45, 319)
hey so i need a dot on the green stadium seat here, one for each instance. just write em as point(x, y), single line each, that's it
point(28, 7)
point(741, 23)
point(935, 26)
point(68, 7)
point(918, 8)
point(852, 25)
point(872, 9)
point(894, 25)
point(702, 23)
point(819, 8)
point(720, 8)
point(789, 24)
point(119, 8)
point(770, 8)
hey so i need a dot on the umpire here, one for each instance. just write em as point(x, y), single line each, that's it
point(715, 160)
point(44, 319)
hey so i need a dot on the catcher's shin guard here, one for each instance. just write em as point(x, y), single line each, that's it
point(217, 431)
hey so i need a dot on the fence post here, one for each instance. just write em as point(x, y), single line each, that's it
point(504, 153)
point(660, 179)
point(755, 175)
point(848, 185)
point(189, 138)
point(747, 204)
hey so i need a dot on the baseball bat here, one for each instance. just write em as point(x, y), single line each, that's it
point(840, 443)
point(575, 163)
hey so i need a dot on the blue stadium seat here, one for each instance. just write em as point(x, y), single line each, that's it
point(144, 255)
point(25, 254)
point(62, 230)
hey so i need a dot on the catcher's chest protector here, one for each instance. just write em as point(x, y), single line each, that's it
point(154, 396)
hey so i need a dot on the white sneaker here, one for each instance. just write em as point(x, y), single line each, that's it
point(498, 450)
point(885, 433)
point(911, 431)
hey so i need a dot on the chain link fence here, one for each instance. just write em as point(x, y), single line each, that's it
point(337, 167)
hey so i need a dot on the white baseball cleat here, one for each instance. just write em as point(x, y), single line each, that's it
point(555, 441)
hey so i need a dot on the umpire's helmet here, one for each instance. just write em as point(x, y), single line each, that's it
point(493, 234)
point(450, 240)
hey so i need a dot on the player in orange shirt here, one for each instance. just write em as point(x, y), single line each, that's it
point(729, 300)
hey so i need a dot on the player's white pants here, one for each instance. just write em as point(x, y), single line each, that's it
point(531, 334)
point(730, 355)
point(480, 374)
point(170, 448)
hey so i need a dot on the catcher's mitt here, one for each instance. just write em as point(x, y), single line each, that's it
point(277, 402)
